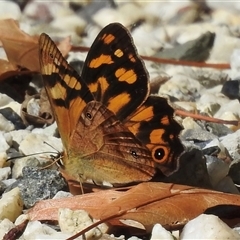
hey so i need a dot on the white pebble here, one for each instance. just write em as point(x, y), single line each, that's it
point(5, 125)
point(9, 182)
point(189, 123)
point(3, 159)
point(49, 130)
point(182, 87)
point(21, 219)
point(35, 143)
point(5, 226)
point(18, 136)
point(35, 230)
point(11, 205)
point(9, 9)
point(208, 227)
point(62, 194)
point(74, 221)
point(3, 143)
point(4, 100)
point(231, 143)
point(230, 43)
point(158, 232)
point(4, 173)
point(20, 163)
point(232, 106)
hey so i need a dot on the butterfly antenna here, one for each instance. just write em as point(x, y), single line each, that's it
point(52, 147)
point(32, 154)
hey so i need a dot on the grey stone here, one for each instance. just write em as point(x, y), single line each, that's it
point(38, 184)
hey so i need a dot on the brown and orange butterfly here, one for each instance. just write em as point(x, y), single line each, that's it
point(112, 130)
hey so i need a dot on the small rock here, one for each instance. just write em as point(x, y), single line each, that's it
point(196, 50)
point(50, 130)
point(231, 89)
point(189, 123)
point(8, 182)
point(18, 136)
point(3, 143)
point(234, 171)
point(217, 129)
point(5, 173)
point(20, 163)
point(198, 135)
point(5, 226)
point(181, 87)
point(209, 109)
point(5, 125)
point(9, 9)
point(11, 205)
point(3, 159)
point(22, 218)
point(191, 172)
point(188, 106)
point(35, 143)
point(13, 118)
point(62, 194)
point(158, 232)
point(5, 100)
point(74, 221)
point(72, 23)
point(231, 143)
point(36, 230)
point(123, 14)
point(33, 107)
point(217, 169)
point(232, 106)
point(229, 42)
point(210, 100)
point(208, 227)
point(36, 185)
point(227, 185)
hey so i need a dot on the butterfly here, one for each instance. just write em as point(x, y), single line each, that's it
point(111, 129)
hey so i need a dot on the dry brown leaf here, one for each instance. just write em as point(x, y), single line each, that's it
point(91, 202)
point(6, 66)
point(8, 69)
point(148, 203)
point(65, 46)
point(21, 49)
point(45, 115)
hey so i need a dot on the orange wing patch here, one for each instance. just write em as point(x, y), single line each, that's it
point(126, 76)
point(108, 38)
point(103, 59)
point(118, 53)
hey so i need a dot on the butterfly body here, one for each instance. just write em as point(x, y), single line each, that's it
point(111, 129)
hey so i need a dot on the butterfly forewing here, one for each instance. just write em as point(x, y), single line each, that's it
point(68, 95)
point(114, 72)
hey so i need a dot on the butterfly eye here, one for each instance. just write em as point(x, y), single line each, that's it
point(159, 155)
point(134, 153)
point(89, 115)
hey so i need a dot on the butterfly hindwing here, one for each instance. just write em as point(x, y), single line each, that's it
point(153, 124)
point(103, 149)
point(114, 72)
